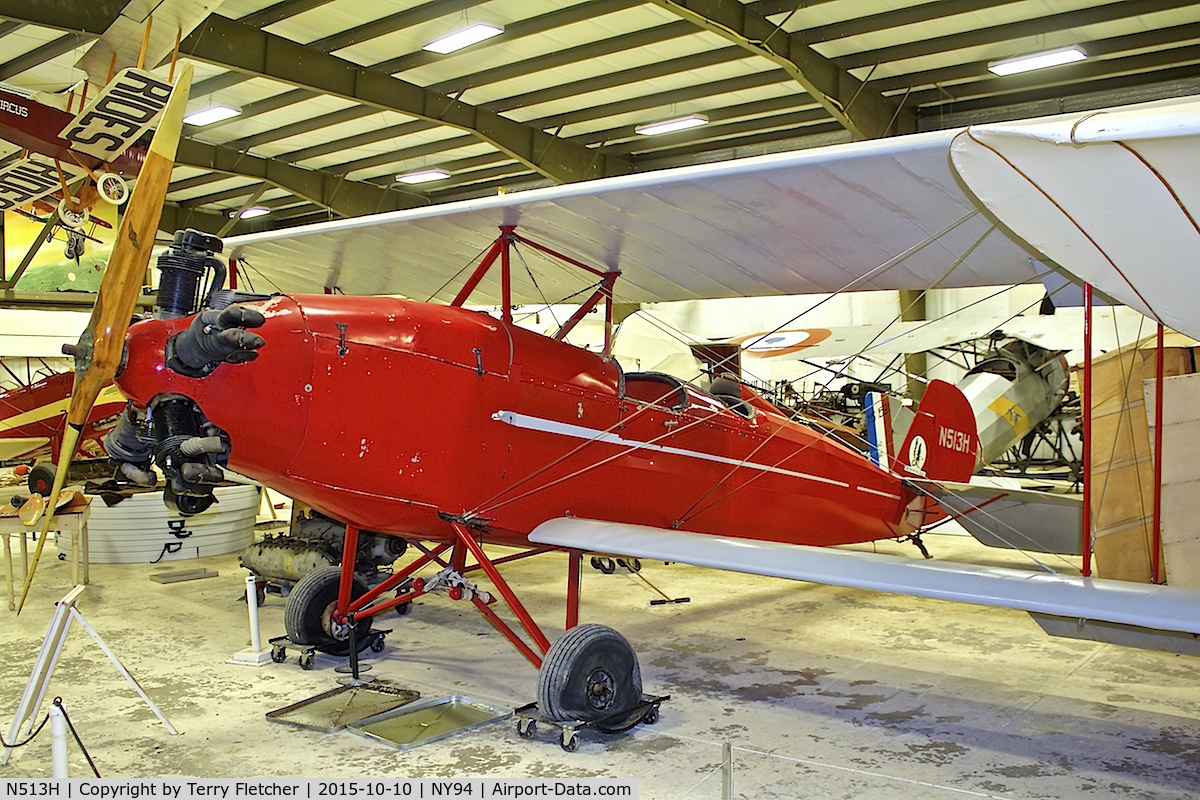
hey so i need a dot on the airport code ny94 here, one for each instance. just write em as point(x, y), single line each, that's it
point(234, 789)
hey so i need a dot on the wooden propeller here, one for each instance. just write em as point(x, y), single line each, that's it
point(98, 353)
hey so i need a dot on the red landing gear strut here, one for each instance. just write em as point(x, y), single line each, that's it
point(452, 582)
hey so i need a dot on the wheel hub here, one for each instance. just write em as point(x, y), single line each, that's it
point(340, 631)
point(602, 688)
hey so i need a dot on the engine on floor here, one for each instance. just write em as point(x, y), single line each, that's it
point(314, 541)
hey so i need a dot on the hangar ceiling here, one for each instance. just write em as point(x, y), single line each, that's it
point(337, 97)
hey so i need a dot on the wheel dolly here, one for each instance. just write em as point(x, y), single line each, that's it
point(351, 648)
point(646, 712)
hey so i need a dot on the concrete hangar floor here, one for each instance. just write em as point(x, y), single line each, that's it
point(822, 692)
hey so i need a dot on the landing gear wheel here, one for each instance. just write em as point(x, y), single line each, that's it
point(634, 565)
point(569, 741)
point(607, 566)
point(404, 588)
point(71, 219)
point(307, 659)
point(308, 616)
point(590, 673)
point(595, 563)
point(526, 728)
point(41, 478)
point(278, 654)
point(112, 188)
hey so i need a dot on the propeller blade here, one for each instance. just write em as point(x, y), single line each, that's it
point(98, 353)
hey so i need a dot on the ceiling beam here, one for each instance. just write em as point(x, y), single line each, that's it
point(859, 108)
point(51, 49)
point(1010, 32)
point(517, 30)
point(345, 197)
point(230, 44)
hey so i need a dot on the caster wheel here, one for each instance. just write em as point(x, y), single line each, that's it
point(377, 645)
point(569, 742)
point(526, 728)
point(651, 716)
point(41, 478)
point(306, 661)
point(279, 654)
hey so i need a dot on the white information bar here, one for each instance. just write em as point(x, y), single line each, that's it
point(314, 789)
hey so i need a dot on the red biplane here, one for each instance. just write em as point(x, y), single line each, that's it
point(454, 429)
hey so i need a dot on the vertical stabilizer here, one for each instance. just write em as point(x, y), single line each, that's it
point(942, 443)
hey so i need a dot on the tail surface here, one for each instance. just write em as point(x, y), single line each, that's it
point(942, 442)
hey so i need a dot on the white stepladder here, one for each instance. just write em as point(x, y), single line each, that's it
point(39, 679)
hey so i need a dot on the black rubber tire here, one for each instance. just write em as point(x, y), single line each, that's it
point(634, 565)
point(526, 728)
point(279, 654)
point(309, 601)
point(569, 743)
point(41, 478)
point(607, 566)
point(590, 673)
point(306, 661)
point(377, 645)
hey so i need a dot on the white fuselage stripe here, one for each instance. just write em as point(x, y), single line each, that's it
point(888, 495)
point(591, 434)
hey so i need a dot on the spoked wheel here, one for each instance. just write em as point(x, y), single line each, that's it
point(112, 188)
point(590, 673)
point(308, 616)
point(72, 219)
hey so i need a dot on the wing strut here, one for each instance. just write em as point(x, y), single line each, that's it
point(501, 248)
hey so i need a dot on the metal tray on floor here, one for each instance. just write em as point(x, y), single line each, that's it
point(412, 726)
point(333, 710)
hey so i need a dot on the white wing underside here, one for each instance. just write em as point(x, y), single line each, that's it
point(1111, 196)
point(1119, 602)
point(790, 223)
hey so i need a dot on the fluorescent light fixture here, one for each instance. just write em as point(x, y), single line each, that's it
point(254, 211)
point(672, 125)
point(424, 176)
point(1011, 66)
point(463, 38)
point(210, 115)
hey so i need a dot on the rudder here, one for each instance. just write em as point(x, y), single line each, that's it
point(942, 442)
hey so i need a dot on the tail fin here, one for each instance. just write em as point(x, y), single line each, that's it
point(942, 442)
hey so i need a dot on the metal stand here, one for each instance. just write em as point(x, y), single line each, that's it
point(35, 690)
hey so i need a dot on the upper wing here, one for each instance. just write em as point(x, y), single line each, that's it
point(121, 42)
point(1112, 196)
point(789, 223)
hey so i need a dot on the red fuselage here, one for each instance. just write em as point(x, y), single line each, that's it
point(393, 415)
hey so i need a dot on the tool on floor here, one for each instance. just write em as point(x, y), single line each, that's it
point(665, 597)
